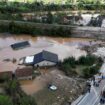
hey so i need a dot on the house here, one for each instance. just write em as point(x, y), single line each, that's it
point(41, 59)
point(29, 60)
point(26, 60)
point(20, 45)
point(45, 58)
point(6, 74)
point(24, 73)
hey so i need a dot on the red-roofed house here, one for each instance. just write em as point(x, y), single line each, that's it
point(24, 73)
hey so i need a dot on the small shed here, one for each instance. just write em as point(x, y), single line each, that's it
point(20, 45)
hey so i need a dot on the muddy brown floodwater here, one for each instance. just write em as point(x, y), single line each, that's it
point(64, 47)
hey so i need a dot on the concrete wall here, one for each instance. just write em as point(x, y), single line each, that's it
point(45, 63)
point(25, 78)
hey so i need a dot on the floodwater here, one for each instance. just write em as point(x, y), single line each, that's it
point(64, 47)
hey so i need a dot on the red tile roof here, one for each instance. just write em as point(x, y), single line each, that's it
point(24, 72)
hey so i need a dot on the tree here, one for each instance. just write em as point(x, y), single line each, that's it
point(71, 61)
point(86, 72)
point(68, 66)
point(90, 71)
point(81, 4)
point(69, 2)
point(11, 87)
point(98, 5)
point(5, 100)
point(68, 69)
point(49, 18)
point(87, 60)
point(27, 100)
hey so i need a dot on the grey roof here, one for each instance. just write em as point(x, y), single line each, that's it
point(20, 45)
point(45, 55)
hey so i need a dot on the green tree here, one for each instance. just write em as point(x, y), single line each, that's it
point(98, 5)
point(87, 60)
point(68, 69)
point(5, 100)
point(71, 61)
point(49, 18)
point(11, 87)
point(27, 100)
point(81, 4)
point(90, 71)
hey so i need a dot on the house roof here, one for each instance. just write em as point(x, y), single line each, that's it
point(29, 59)
point(45, 55)
point(23, 72)
point(20, 45)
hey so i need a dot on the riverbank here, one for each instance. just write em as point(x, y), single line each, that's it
point(34, 29)
point(53, 30)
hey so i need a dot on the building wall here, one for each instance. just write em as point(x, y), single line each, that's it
point(25, 78)
point(45, 63)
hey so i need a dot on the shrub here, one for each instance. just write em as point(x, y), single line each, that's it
point(90, 71)
point(27, 100)
point(68, 70)
point(17, 96)
point(5, 100)
point(91, 63)
point(70, 61)
point(28, 28)
point(87, 60)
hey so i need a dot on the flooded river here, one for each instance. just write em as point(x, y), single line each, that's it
point(64, 47)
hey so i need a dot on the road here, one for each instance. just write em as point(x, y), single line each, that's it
point(93, 97)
